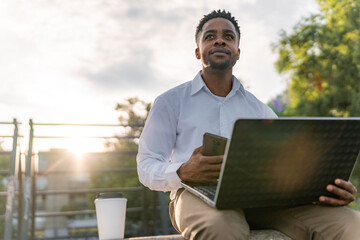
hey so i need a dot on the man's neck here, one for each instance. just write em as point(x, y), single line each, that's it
point(218, 82)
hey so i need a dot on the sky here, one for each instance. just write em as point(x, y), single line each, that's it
point(65, 61)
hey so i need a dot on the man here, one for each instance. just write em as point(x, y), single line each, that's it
point(211, 102)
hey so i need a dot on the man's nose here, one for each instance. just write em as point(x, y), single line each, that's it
point(220, 42)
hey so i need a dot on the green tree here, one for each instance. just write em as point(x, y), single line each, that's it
point(321, 58)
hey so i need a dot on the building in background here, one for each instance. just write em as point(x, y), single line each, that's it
point(57, 172)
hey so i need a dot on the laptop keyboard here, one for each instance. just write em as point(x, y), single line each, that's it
point(207, 190)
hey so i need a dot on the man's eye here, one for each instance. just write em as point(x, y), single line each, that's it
point(210, 36)
point(228, 36)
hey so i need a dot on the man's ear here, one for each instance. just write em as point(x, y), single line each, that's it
point(238, 53)
point(197, 53)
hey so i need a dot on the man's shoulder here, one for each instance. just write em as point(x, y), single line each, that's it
point(251, 97)
point(181, 91)
point(172, 99)
point(258, 104)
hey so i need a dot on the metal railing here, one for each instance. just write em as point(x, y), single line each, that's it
point(12, 174)
point(152, 209)
point(140, 190)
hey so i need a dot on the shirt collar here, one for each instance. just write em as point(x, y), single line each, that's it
point(198, 83)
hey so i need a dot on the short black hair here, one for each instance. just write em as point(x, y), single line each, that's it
point(216, 14)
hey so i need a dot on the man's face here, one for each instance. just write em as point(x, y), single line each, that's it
point(218, 46)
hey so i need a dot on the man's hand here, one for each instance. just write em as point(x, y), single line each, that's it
point(345, 191)
point(200, 168)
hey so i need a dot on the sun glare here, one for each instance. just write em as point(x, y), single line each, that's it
point(80, 146)
point(76, 140)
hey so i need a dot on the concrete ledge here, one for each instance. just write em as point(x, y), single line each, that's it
point(255, 235)
point(268, 235)
point(167, 237)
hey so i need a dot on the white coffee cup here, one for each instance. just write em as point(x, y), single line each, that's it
point(110, 215)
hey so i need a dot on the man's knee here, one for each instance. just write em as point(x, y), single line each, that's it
point(223, 225)
point(340, 223)
point(350, 227)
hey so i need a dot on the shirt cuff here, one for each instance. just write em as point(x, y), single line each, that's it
point(171, 175)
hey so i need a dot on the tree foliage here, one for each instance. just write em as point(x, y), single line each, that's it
point(132, 115)
point(322, 59)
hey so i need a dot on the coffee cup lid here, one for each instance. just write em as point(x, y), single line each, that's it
point(108, 195)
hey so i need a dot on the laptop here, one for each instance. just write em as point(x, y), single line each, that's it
point(282, 162)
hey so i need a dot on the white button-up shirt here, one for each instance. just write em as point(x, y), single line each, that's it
point(176, 124)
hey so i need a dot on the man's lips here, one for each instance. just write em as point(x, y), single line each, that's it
point(219, 52)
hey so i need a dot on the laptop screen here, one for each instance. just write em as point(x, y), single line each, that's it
point(286, 161)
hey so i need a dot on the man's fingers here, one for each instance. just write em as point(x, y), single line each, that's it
point(198, 150)
point(345, 193)
point(212, 168)
point(346, 185)
point(205, 168)
point(209, 177)
point(201, 169)
point(214, 175)
point(341, 193)
point(212, 159)
point(332, 201)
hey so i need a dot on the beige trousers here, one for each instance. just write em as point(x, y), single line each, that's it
point(194, 219)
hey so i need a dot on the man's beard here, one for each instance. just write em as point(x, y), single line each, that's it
point(224, 65)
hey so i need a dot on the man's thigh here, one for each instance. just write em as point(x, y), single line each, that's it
point(197, 220)
point(309, 222)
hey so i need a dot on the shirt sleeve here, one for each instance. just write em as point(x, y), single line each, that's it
point(268, 112)
point(157, 140)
